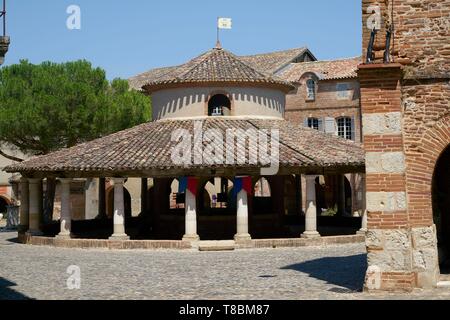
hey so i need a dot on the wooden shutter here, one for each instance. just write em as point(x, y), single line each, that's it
point(353, 129)
point(330, 126)
point(321, 127)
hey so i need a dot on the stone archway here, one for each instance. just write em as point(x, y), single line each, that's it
point(4, 203)
point(441, 207)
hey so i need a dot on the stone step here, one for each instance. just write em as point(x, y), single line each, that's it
point(443, 284)
point(228, 245)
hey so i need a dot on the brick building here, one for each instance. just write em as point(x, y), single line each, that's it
point(327, 98)
point(405, 105)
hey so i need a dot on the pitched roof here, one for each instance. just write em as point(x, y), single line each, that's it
point(326, 70)
point(267, 63)
point(148, 148)
point(274, 61)
point(214, 66)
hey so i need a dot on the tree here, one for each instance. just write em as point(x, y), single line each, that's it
point(51, 106)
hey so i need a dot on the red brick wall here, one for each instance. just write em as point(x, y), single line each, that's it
point(427, 134)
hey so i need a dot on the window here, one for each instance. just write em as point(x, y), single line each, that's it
point(343, 91)
point(313, 123)
point(345, 128)
point(219, 105)
point(311, 89)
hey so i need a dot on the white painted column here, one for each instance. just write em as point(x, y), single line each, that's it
point(311, 210)
point(24, 205)
point(35, 207)
point(66, 215)
point(242, 217)
point(191, 217)
point(119, 211)
point(363, 229)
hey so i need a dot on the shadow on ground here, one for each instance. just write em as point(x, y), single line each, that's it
point(345, 272)
point(7, 293)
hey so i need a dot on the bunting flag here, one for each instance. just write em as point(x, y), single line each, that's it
point(243, 183)
point(182, 186)
point(188, 183)
point(192, 184)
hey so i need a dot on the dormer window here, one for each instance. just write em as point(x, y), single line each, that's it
point(219, 105)
point(310, 90)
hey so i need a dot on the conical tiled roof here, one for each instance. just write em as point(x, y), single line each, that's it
point(217, 66)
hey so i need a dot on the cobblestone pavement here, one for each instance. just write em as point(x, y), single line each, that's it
point(334, 272)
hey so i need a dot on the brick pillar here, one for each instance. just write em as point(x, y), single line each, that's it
point(393, 246)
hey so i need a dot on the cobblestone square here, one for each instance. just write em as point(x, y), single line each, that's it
point(334, 272)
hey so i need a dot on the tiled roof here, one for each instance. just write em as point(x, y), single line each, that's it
point(326, 70)
point(267, 63)
point(273, 61)
point(215, 66)
point(148, 147)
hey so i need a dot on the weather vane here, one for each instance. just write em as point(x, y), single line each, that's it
point(4, 39)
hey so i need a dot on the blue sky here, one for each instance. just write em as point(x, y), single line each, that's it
point(129, 37)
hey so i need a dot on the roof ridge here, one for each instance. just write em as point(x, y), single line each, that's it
point(332, 60)
point(272, 52)
point(202, 57)
point(248, 65)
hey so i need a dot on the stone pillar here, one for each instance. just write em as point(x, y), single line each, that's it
point(401, 254)
point(119, 211)
point(311, 210)
point(144, 198)
point(101, 198)
point(91, 199)
point(66, 216)
point(24, 205)
point(242, 217)
point(363, 229)
point(191, 218)
point(341, 195)
point(35, 207)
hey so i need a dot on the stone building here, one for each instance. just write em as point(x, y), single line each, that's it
point(213, 96)
point(405, 96)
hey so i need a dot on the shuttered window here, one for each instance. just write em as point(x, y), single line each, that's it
point(345, 128)
point(313, 123)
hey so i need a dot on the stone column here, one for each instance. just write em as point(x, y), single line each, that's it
point(191, 217)
point(35, 207)
point(101, 198)
point(341, 195)
point(66, 216)
point(144, 190)
point(363, 229)
point(242, 217)
point(119, 211)
point(24, 205)
point(311, 210)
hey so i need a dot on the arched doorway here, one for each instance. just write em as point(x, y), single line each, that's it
point(126, 200)
point(3, 205)
point(441, 208)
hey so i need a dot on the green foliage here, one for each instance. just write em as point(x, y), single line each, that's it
point(330, 212)
point(50, 106)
